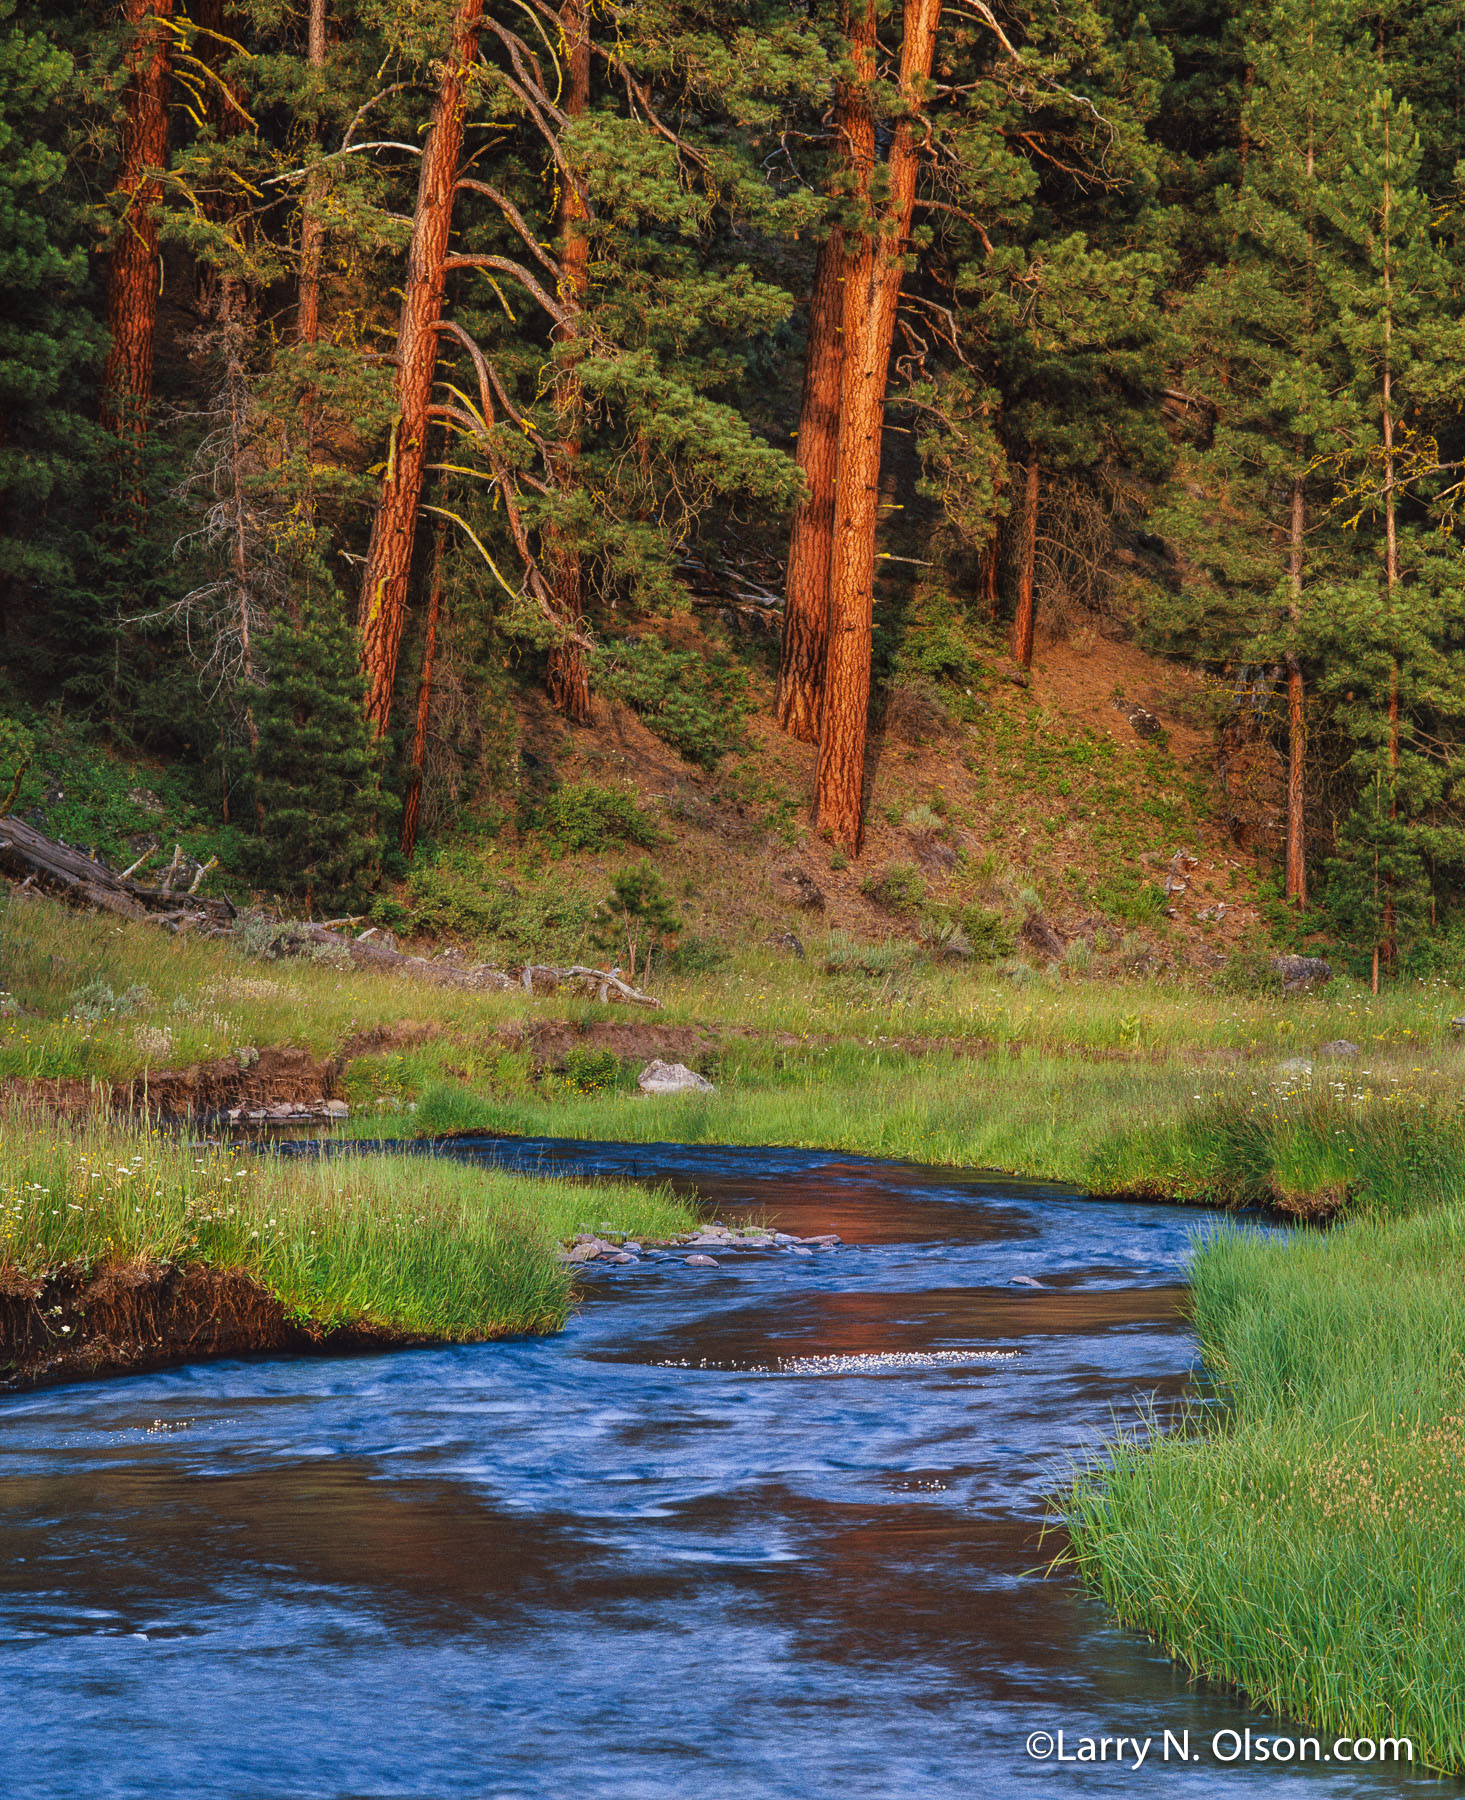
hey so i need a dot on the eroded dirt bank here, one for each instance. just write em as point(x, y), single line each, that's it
point(128, 1319)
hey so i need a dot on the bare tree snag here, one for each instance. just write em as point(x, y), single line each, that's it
point(412, 806)
point(383, 609)
point(132, 276)
point(1295, 871)
point(806, 587)
point(569, 674)
point(1022, 619)
point(876, 263)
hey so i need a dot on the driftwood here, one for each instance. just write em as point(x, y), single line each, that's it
point(606, 983)
point(47, 862)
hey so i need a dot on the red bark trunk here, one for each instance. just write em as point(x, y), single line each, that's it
point(569, 675)
point(132, 277)
point(1022, 619)
point(872, 291)
point(806, 588)
point(389, 556)
point(412, 806)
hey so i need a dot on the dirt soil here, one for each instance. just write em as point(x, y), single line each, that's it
point(125, 1320)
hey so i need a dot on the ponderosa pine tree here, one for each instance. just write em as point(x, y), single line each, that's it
point(1267, 353)
point(1400, 632)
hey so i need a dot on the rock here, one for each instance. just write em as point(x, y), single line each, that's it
point(806, 891)
point(826, 1239)
point(1302, 974)
point(702, 1262)
point(782, 1237)
point(799, 1250)
point(1295, 1065)
point(337, 1109)
point(672, 1078)
point(620, 1256)
point(1024, 1281)
point(1039, 934)
point(1457, 1025)
point(785, 940)
point(1338, 1047)
point(631, 1248)
point(582, 1253)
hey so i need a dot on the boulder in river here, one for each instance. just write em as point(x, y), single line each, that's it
point(672, 1078)
point(702, 1262)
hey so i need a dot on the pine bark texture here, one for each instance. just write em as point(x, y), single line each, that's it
point(569, 674)
point(383, 610)
point(412, 806)
point(1022, 619)
point(806, 587)
point(132, 276)
point(873, 272)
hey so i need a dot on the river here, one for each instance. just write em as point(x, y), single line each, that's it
point(761, 1531)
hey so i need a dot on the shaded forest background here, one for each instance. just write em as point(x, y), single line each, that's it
point(374, 369)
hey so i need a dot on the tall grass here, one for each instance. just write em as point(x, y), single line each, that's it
point(427, 1248)
point(1307, 1539)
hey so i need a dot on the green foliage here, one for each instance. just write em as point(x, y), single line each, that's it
point(898, 887)
point(316, 785)
point(585, 815)
point(1129, 899)
point(17, 751)
point(638, 916)
point(1378, 887)
point(591, 1071)
point(990, 934)
point(694, 702)
point(463, 894)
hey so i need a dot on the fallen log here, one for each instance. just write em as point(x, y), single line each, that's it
point(48, 862)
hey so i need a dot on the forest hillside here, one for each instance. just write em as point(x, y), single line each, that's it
point(577, 477)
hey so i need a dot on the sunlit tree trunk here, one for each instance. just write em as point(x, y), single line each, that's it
point(383, 608)
point(872, 291)
point(412, 805)
point(1389, 946)
point(1022, 619)
point(806, 588)
point(569, 675)
point(132, 275)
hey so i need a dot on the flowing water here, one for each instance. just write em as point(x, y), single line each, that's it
point(763, 1530)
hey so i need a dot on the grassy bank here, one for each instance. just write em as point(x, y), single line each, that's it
point(442, 1251)
point(1307, 1540)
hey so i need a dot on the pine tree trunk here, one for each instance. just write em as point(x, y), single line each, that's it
point(412, 806)
point(806, 588)
point(1022, 619)
point(873, 274)
point(1295, 878)
point(132, 276)
point(569, 675)
point(312, 231)
point(389, 556)
point(1390, 943)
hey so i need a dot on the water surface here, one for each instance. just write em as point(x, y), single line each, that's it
point(640, 1559)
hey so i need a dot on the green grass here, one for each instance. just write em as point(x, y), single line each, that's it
point(427, 1249)
point(1307, 1539)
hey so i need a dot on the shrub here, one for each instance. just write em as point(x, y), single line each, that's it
point(990, 935)
point(1127, 898)
point(898, 887)
point(582, 815)
point(693, 701)
point(638, 915)
point(844, 955)
point(591, 1071)
point(459, 894)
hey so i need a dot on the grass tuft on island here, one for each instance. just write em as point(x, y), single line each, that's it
point(1305, 1537)
point(392, 1247)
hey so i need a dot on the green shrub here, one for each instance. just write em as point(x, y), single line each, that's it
point(1249, 971)
point(460, 894)
point(637, 917)
point(693, 701)
point(591, 1071)
point(898, 887)
point(845, 955)
point(1127, 898)
point(582, 815)
point(694, 955)
point(990, 935)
